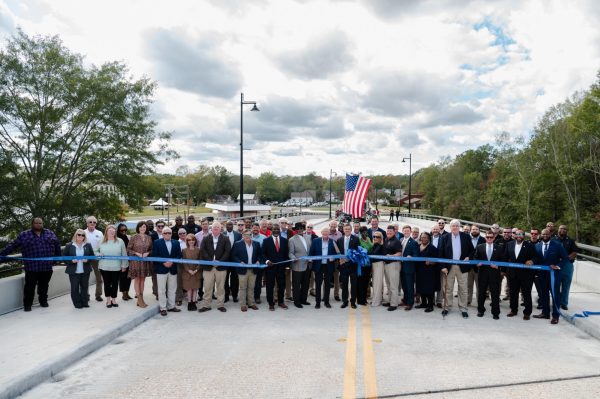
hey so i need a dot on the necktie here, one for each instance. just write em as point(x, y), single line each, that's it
point(346, 241)
point(277, 244)
point(545, 249)
point(489, 252)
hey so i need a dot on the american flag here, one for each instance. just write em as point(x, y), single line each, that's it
point(355, 194)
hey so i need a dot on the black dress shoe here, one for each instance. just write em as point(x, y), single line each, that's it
point(226, 299)
point(44, 304)
point(496, 317)
point(465, 315)
point(429, 309)
point(327, 305)
point(235, 299)
point(344, 305)
point(421, 306)
point(444, 312)
point(272, 307)
point(109, 305)
point(563, 307)
point(541, 316)
point(306, 303)
point(298, 305)
point(554, 320)
point(85, 305)
point(222, 309)
point(163, 312)
point(479, 314)
point(202, 310)
point(337, 298)
point(392, 308)
point(99, 298)
point(115, 305)
point(258, 301)
point(439, 305)
point(27, 308)
point(353, 305)
point(318, 306)
point(174, 310)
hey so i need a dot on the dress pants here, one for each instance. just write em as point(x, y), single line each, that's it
point(124, 281)
point(489, 278)
point(300, 282)
point(546, 292)
point(42, 280)
point(565, 282)
point(391, 273)
point(179, 292)
point(323, 279)
point(167, 286)
point(246, 287)
point(275, 273)
point(232, 284)
point(363, 285)
point(336, 281)
point(111, 282)
point(348, 275)
point(520, 280)
point(288, 283)
point(454, 272)
point(472, 281)
point(79, 288)
point(258, 285)
point(377, 283)
point(94, 264)
point(408, 287)
point(212, 277)
point(438, 296)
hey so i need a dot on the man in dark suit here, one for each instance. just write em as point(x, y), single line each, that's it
point(476, 239)
point(410, 248)
point(551, 253)
point(323, 268)
point(166, 272)
point(520, 251)
point(275, 250)
point(247, 252)
point(348, 269)
point(214, 247)
point(456, 245)
point(489, 276)
point(231, 278)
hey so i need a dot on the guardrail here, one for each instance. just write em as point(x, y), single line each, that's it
point(588, 252)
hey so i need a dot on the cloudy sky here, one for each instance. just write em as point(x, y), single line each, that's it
point(352, 86)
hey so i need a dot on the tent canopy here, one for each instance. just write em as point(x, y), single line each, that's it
point(160, 202)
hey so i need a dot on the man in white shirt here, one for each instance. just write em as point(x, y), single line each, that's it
point(94, 237)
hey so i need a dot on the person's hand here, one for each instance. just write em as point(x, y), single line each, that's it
point(493, 266)
point(123, 269)
point(74, 260)
point(445, 270)
point(555, 267)
point(479, 264)
point(529, 263)
point(467, 258)
point(269, 263)
point(84, 260)
point(168, 264)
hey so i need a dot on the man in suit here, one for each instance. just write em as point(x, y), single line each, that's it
point(246, 251)
point(275, 250)
point(299, 246)
point(410, 248)
point(323, 268)
point(489, 276)
point(476, 239)
point(231, 278)
point(520, 251)
point(567, 265)
point(348, 269)
point(375, 227)
point(214, 247)
point(166, 272)
point(551, 253)
point(456, 245)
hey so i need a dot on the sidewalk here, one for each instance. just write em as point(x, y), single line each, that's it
point(39, 344)
point(582, 299)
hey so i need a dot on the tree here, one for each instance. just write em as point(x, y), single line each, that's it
point(66, 130)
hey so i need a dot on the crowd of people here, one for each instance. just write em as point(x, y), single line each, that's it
point(288, 275)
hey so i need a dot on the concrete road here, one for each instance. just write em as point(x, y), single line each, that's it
point(329, 353)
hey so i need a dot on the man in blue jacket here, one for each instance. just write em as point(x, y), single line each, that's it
point(247, 252)
point(166, 272)
point(323, 268)
point(551, 253)
point(410, 248)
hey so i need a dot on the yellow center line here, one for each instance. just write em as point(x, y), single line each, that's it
point(350, 368)
point(368, 355)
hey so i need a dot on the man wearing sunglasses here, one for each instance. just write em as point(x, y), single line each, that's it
point(520, 251)
point(94, 236)
point(166, 272)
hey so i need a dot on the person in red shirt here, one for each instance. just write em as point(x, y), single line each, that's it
point(263, 228)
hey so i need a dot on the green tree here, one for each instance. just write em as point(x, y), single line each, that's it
point(67, 129)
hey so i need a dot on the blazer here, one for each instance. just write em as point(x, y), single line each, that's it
point(239, 255)
point(269, 252)
point(159, 250)
point(411, 249)
point(70, 250)
point(555, 254)
point(297, 250)
point(527, 252)
point(498, 254)
point(316, 249)
point(353, 244)
point(466, 249)
point(236, 237)
point(208, 252)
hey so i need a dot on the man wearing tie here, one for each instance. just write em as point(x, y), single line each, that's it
point(323, 268)
point(246, 251)
point(347, 268)
point(299, 246)
point(410, 248)
point(551, 253)
point(275, 250)
point(520, 251)
point(214, 247)
point(231, 278)
point(476, 239)
point(489, 276)
point(166, 272)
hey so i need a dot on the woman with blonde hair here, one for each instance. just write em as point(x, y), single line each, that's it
point(192, 273)
point(111, 245)
point(79, 270)
point(140, 245)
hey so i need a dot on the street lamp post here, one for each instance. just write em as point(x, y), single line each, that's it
point(254, 108)
point(330, 176)
point(409, 178)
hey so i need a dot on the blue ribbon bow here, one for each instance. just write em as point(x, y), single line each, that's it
point(360, 257)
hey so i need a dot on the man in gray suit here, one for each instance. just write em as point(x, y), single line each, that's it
point(299, 246)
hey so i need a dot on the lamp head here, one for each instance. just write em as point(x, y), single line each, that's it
point(255, 108)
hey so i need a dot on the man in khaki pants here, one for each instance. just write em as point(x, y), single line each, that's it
point(94, 237)
point(246, 251)
point(457, 246)
point(214, 247)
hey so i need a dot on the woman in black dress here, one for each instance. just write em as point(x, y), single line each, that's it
point(428, 273)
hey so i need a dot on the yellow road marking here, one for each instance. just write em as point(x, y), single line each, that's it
point(350, 368)
point(369, 355)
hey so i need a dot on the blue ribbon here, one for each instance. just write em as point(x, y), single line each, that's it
point(360, 257)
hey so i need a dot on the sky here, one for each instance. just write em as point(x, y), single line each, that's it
point(342, 85)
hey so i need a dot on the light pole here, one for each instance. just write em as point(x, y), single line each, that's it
point(254, 108)
point(409, 178)
point(330, 176)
